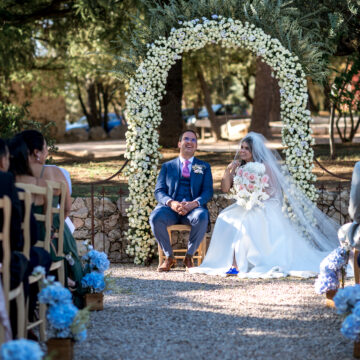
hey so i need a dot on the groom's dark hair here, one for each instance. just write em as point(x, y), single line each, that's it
point(185, 131)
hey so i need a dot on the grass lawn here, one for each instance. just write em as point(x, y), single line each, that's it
point(86, 170)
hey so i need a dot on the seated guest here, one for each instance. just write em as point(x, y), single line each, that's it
point(350, 232)
point(19, 265)
point(38, 255)
point(38, 153)
point(18, 167)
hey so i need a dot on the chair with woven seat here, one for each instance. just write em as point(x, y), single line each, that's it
point(16, 294)
point(180, 253)
point(25, 197)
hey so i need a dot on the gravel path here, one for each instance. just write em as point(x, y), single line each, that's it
point(176, 315)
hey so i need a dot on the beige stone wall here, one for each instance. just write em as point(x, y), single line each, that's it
point(111, 222)
point(43, 107)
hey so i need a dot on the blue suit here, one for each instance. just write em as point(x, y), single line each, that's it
point(168, 186)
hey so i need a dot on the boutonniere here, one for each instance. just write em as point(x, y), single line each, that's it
point(198, 169)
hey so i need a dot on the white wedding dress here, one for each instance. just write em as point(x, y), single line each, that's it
point(265, 243)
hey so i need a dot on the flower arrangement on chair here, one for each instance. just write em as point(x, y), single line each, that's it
point(332, 268)
point(21, 349)
point(67, 323)
point(96, 263)
point(347, 302)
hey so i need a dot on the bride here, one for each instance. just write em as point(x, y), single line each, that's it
point(263, 242)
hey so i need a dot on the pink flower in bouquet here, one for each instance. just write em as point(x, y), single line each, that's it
point(240, 172)
point(252, 177)
point(241, 187)
point(246, 174)
point(265, 179)
point(251, 187)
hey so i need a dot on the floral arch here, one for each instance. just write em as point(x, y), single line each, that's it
point(144, 116)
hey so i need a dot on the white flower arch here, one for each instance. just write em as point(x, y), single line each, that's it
point(144, 116)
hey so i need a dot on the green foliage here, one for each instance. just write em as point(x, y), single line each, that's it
point(14, 119)
point(73, 41)
point(280, 19)
point(81, 321)
point(345, 97)
point(310, 30)
point(229, 73)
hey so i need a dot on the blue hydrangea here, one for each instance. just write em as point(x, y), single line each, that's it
point(66, 333)
point(97, 260)
point(346, 299)
point(336, 260)
point(94, 280)
point(326, 281)
point(356, 310)
point(62, 315)
point(350, 327)
point(214, 16)
point(20, 350)
point(54, 294)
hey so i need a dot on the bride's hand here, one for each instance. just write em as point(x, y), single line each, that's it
point(233, 166)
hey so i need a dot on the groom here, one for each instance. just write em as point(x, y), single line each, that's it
point(183, 188)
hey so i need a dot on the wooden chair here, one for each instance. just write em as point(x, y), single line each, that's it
point(25, 196)
point(44, 217)
point(356, 267)
point(199, 254)
point(59, 234)
point(17, 293)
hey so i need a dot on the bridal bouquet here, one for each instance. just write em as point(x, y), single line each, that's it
point(249, 184)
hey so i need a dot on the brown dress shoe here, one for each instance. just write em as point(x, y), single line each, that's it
point(167, 264)
point(188, 262)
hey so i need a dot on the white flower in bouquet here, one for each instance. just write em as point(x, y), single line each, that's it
point(249, 184)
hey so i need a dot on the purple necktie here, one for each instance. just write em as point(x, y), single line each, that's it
point(185, 170)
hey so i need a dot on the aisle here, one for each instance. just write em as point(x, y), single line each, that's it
point(182, 316)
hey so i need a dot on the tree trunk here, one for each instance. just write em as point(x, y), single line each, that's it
point(331, 133)
point(327, 101)
point(215, 124)
point(105, 100)
point(246, 88)
point(172, 123)
point(262, 99)
point(92, 116)
point(275, 102)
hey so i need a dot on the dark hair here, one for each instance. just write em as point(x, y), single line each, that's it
point(33, 139)
point(3, 148)
point(185, 131)
point(250, 142)
point(19, 156)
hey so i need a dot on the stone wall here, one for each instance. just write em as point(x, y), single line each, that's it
point(43, 107)
point(111, 222)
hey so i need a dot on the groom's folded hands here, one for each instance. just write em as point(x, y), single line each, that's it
point(184, 207)
point(188, 206)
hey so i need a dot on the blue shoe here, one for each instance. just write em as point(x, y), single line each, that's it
point(232, 272)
